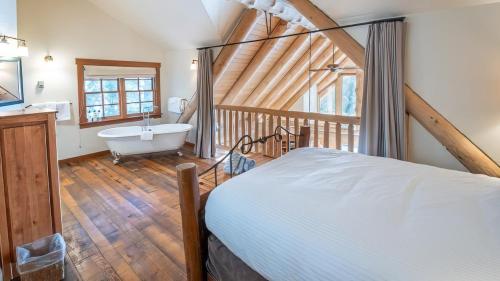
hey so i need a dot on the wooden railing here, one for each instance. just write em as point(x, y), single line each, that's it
point(334, 131)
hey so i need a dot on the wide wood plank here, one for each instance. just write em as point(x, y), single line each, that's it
point(122, 222)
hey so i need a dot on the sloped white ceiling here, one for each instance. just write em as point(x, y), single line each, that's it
point(187, 24)
point(345, 11)
point(176, 24)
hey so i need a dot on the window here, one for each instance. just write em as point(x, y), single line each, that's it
point(101, 98)
point(139, 95)
point(117, 91)
point(327, 101)
point(349, 95)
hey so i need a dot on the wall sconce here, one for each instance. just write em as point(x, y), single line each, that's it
point(12, 47)
point(194, 65)
point(48, 58)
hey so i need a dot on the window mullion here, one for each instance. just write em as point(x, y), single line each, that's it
point(123, 97)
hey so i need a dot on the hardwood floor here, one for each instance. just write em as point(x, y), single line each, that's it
point(122, 222)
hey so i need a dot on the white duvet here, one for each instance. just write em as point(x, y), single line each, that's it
point(322, 214)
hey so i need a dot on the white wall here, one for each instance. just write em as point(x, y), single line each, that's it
point(69, 29)
point(453, 61)
point(181, 81)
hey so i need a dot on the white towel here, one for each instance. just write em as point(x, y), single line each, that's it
point(63, 109)
point(175, 105)
point(147, 135)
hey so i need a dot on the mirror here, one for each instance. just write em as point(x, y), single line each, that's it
point(11, 81)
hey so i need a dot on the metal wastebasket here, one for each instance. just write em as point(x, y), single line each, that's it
point(42, 260)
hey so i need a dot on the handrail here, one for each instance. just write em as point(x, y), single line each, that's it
point(355, 120)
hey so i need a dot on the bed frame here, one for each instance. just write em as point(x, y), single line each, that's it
point(194, 231)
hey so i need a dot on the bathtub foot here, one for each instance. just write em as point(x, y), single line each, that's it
point(116, 155)
point(180, 154)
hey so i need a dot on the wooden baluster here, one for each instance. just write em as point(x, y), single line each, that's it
point(278, 146)
point(224, 120)
point(316, 133)
point(350, 137)
point(296, 129)
point(326, 134)
point(249, 124)
point(236, 126)
point(270, 130)
point(306, 122)
point(338, 136)
point(264, 132)
point(287, 126)
point(230, 127)
point(256, 131)
point(243, 129)
point(218, 127)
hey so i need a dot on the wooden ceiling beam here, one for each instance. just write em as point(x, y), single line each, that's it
point(295, 71)
point(244, 27)
point(234, 95)
point(296, 94)
point(339, 37)
point(289, 57)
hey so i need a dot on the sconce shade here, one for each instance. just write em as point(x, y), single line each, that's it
point(22, 49)
point(194, 65)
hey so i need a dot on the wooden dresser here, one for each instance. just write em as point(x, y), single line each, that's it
point(30, 206)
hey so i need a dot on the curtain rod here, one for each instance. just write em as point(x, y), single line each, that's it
point(305, 32)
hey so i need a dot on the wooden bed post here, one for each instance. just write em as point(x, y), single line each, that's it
point(189, 198)
point(192, 204)
point(305, 135)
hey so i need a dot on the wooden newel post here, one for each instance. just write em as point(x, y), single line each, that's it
point(189, 197)
point(305, 135)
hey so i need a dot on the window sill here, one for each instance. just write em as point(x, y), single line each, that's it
point(116, 121)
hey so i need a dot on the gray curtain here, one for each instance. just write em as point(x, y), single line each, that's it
point(205, 134)
point(382, 130)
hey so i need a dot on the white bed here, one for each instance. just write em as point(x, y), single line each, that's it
point(321, 214)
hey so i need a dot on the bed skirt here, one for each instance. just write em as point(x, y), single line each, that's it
point(223, 265)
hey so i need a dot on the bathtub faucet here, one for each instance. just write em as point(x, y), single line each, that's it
point(147, 118)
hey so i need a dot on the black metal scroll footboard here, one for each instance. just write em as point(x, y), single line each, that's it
point(245, 144)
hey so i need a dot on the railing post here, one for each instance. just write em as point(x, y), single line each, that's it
point(305, 135)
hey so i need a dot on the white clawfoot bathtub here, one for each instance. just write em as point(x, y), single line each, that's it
point(127, 140)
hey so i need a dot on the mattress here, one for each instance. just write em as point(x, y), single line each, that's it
point(323, 214)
